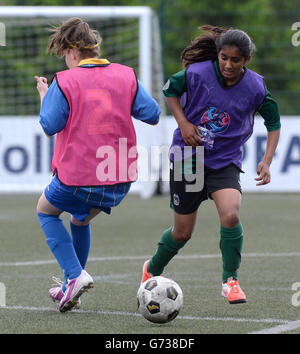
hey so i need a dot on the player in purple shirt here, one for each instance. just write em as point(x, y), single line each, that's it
point(215, 110)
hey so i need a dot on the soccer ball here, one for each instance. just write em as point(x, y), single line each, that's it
point(159, 299)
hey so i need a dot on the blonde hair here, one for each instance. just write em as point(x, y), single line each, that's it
point(74, 33)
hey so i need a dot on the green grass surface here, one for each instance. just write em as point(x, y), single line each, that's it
point(120, 244)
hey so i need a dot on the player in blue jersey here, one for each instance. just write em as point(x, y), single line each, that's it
point(75, 41)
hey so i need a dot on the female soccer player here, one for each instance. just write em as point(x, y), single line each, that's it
point(214, 100)
point(89, 108)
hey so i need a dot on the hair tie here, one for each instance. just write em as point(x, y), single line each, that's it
point(85, 47)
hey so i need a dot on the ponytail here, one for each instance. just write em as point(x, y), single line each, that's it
point(202, 47)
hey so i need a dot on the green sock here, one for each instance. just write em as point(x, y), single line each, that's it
point(231, 247)
point(166, 250)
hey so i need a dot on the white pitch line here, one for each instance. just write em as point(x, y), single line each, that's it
point(126, 258)
point(26, 263)
point(279, 329)
point(134, 314)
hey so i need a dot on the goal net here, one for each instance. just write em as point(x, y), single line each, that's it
point(130, 36)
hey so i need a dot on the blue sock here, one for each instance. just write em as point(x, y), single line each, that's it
point(81, 237)
point(60, 243)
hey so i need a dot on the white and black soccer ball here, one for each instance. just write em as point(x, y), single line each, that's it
point(159, 299)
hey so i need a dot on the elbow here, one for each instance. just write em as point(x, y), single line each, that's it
point(157, 121)
point(154, 120)
point(46, 131)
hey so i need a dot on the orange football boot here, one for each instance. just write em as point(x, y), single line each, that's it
point(233, 292)
point(146, 275)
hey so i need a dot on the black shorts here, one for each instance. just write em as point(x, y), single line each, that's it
point(186, 202)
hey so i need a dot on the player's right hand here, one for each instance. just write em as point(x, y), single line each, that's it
point(190, 134)
point(42, 85)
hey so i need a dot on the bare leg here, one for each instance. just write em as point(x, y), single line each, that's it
point(228, 203)
point(183, 226)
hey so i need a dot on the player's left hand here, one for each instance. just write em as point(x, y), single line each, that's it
point(263, 172)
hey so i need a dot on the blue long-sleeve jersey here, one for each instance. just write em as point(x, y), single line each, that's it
point(55, 108)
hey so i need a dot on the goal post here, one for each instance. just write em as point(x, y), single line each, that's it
point(130, 36)
point(143, 14)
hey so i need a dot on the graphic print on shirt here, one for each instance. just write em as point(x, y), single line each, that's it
point(213, 123)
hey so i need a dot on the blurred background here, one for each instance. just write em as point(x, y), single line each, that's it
point(270, 213)
point(174, 25)
point(268, 22)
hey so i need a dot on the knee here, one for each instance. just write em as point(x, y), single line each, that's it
point(230, 219)
point(44, 207)
point(181, 235)
point(76, 222)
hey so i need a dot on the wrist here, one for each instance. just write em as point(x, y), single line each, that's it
point(267, 160)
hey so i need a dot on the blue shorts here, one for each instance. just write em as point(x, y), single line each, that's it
point(78, 201)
